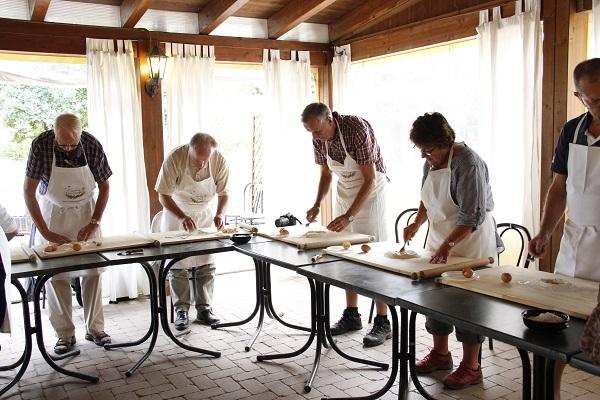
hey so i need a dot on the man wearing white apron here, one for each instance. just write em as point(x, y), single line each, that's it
point(576, 188)
point(67, 164)
point(346, 146)
point(190, 177)
point(456, 198)
point(9, 230)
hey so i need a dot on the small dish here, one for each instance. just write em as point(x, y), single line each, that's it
point(458, 276)
point(339, 249)
point(241, 238)
point(542, 325)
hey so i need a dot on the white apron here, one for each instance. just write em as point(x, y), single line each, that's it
point(5, 254)
point(370, 220)
point(193, 197)
point(68, 206)
point(442, 213)
point(579, 247)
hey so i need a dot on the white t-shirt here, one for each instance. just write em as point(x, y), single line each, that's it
point(7, 223)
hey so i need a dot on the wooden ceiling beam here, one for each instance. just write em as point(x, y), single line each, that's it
point(38, 9)
point(292, 15)
point(365, 16)
point(216, 12)
point(132, 11)
point(424, 12)
point(583, 5)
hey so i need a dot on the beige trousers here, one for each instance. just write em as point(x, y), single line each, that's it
point(60, 305)
point(204, 283)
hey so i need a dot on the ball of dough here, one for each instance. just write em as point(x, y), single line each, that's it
point(506, 277)
point(346, 245)
point(284, 232)
point(76, 246)
point(51, 248)
point(467, 272)
point(365, 248)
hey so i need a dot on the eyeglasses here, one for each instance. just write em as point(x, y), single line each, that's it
point(426, 152)
point(67, 146)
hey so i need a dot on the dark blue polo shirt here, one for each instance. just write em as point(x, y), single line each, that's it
point(561, 153)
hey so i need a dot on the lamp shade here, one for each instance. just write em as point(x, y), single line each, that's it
point(157, 62)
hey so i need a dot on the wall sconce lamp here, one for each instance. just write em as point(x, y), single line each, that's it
point(157, 62)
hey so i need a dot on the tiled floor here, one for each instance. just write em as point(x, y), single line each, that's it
point(174, 373)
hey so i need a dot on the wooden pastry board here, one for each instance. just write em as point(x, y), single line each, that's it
point(576, 297)
point(328, 238)
point(106, 243)
point(177, 237)
point(21, 254)
point(414, 267)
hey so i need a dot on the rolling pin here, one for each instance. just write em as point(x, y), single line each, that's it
point(249, 228)
point(29, 252)
point(432, 272)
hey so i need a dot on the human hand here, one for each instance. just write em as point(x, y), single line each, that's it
point(218, 221)
point(311, 214)
point(339, 224)
point(188, 224)
point(441, 255)
point(538, 245)
point(410, 231)
point(87, 232)
point(54, 237)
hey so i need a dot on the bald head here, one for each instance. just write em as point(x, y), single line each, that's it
point(201, 148)
point(67, 130)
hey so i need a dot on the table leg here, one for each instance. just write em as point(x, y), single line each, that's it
point(403, 381)
point(23, 361)
point(320, 336)
point(550, 364)
point(40, 336)
point(526, 366)
point(539, 377)
point(164, 318)
point(412, 357)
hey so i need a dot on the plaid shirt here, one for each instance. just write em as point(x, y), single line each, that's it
point(39, 163)
point(360, 141)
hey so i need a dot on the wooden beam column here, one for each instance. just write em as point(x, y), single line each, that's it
point(556, 15)
point(152, 129)
point(38, 9)
point(216, 12)
point(293, 15)
point(132, 11)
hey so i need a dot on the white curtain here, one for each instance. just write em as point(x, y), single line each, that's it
point(340, 68)
point(115, 119)
point(596, 28)
point(510, 113)
point(189, 79)
point(289, 178)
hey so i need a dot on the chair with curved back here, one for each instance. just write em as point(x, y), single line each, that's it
point(408, 216)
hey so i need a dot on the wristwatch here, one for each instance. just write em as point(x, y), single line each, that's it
point(350, 217)
point(451, 244)
point(94, 221)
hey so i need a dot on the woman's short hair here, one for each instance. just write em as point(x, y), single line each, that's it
point(432, 130)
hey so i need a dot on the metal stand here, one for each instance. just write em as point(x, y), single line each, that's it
point(264, 304)
point(23, 361)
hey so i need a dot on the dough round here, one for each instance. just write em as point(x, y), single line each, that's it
point(506, 277)
point(346, 245)
point(314, 234)
point(467, 272)
point(51, 248)
point(402, 255)
point(284, 232)
point(365, 248)
point(76, 246)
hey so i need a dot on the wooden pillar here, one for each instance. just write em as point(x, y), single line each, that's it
point(325, 93)
point(152, 128)
point(557, 16)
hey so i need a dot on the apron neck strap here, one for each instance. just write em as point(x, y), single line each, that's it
point(578, 129)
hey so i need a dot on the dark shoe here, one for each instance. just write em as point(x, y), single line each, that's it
point(434, 361)
point(182, 321)
point(463, 377)
point(350, 321)
point(64, 345)
point(380, 332)
point(100, 338)
point(207, 317)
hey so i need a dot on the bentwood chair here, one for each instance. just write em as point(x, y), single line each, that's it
point(404, 219)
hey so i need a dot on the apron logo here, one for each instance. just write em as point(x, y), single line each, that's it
point(74, 193)
point(198, 199)
point(348, 174)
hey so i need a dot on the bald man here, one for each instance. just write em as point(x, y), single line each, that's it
point(65, 166)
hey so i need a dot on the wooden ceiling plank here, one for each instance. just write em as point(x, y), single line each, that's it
point(132, 11)
point(38, 9)
point(216, 12)
point(428, 14)
point(365, 16)
point(293, 15)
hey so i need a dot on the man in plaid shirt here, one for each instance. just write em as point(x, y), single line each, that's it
point(346, 146)
point(67, 165)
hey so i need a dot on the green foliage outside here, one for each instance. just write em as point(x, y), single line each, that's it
point(26, 111)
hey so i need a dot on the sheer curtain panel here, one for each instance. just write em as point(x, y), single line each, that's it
point(340, 68)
